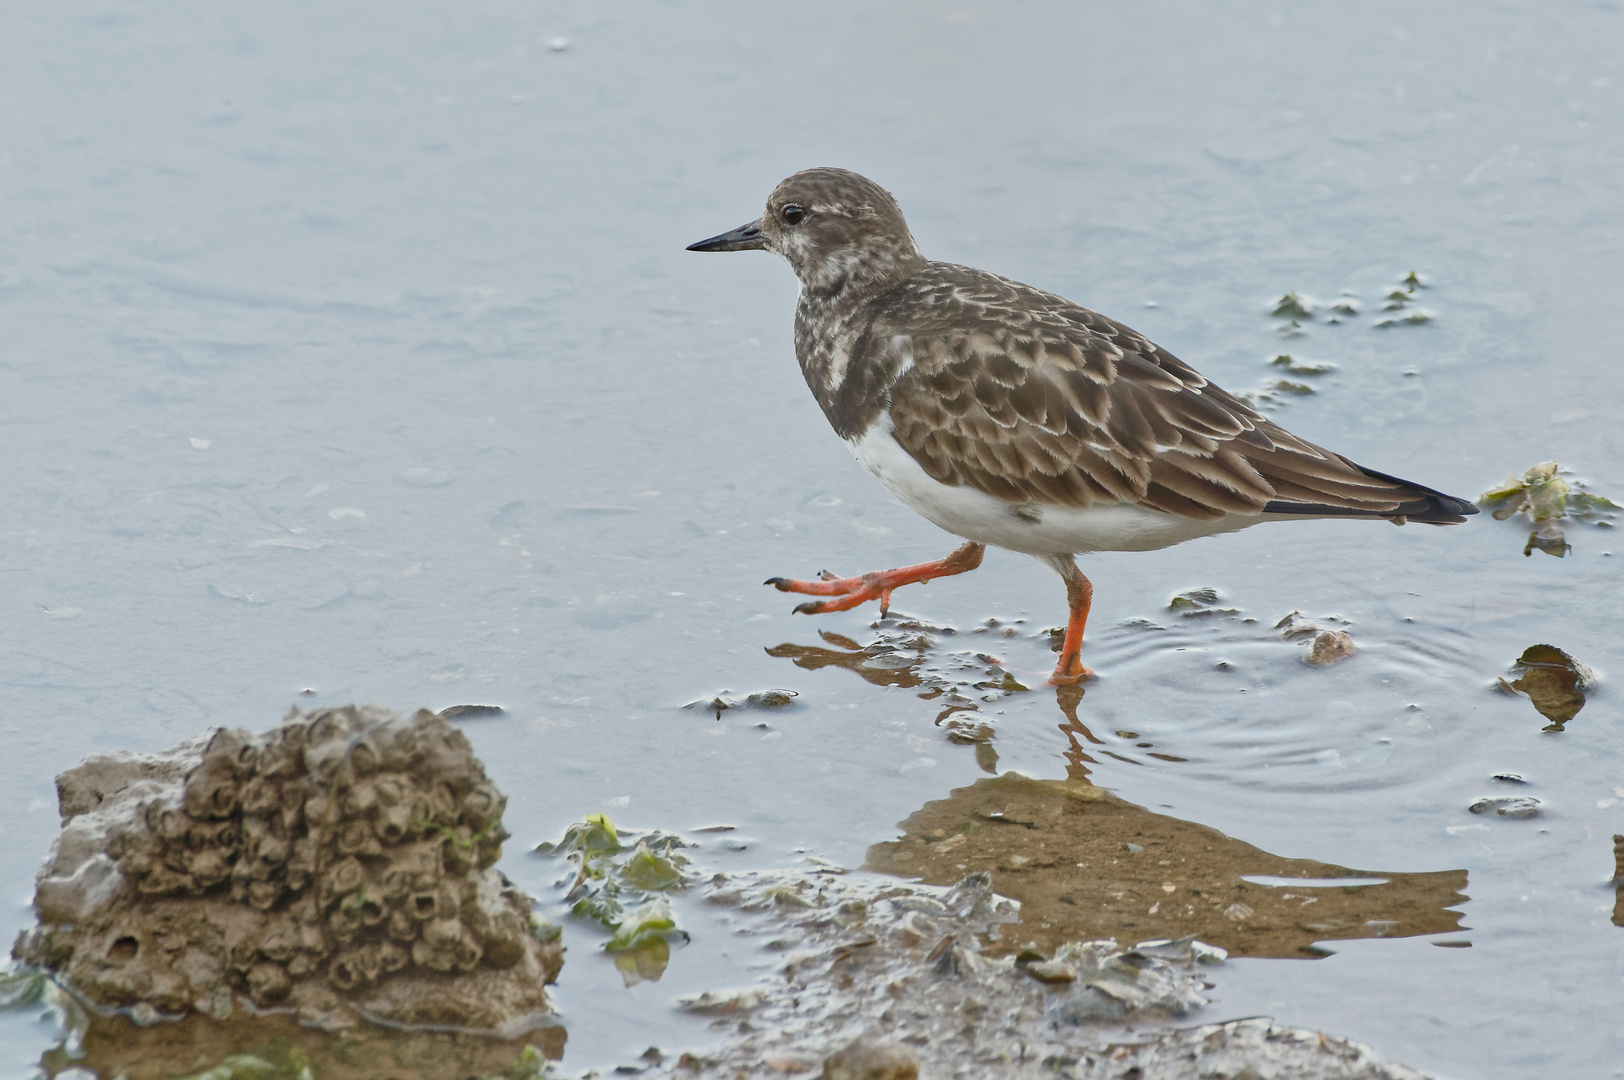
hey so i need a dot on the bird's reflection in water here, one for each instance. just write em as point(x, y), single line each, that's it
point(905, 652)
point(1077, 759)
point(1086, 864)
point(893, 662)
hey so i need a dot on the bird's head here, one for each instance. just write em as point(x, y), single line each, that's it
point(841, 232)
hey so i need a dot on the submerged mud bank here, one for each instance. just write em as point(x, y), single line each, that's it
point(334, 870)
point(913, 973)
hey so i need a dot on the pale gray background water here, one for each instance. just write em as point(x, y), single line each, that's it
point(353, 348)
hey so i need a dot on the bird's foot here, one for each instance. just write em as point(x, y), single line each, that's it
point(1070, 674)
point(848, 592)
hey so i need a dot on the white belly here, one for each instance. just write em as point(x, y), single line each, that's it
point(1037, 530)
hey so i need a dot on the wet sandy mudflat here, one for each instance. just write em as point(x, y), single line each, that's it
point(352, 355)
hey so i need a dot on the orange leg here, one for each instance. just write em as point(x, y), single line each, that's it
point(878, 585)
point(1080, 596)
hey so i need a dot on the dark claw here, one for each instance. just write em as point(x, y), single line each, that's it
point(811, 607)
point(781, 584)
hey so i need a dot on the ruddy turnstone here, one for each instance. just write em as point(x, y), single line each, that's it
point(1014, 417)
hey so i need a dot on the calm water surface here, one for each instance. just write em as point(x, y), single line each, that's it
point(354, 351)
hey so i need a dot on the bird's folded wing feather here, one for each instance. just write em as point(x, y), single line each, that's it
point(1026, 396)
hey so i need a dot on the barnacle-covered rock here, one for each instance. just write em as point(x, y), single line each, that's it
point(339, 865)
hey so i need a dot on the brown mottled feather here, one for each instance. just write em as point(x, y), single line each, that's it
point(1027, 396)
point(1024, 395)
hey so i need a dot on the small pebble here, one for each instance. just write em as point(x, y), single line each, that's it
point(1511, 806)
point(1330, 647)
point(864, 1060)
point(1052, 971)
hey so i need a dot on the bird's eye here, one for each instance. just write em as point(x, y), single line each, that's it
point(792, 214)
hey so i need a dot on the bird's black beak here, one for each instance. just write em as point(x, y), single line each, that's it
point(744, 238)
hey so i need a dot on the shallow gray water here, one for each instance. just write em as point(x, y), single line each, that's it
point(354, 350)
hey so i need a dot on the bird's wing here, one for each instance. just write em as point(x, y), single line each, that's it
point(1027, 396)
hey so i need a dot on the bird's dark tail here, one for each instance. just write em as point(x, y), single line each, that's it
point(1420, 503)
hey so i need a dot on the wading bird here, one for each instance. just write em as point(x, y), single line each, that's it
point(1014, 417)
